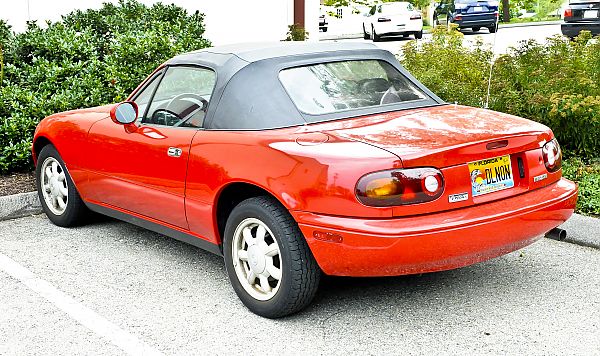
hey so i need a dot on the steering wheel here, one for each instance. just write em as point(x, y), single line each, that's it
point(187, 105)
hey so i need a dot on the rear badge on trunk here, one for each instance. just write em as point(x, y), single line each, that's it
point(454, 198)
point(540, 177)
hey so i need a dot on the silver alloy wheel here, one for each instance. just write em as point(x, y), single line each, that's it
point(256, 259)
point(54, 186)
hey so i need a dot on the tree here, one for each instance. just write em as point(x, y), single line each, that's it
point(505, 11)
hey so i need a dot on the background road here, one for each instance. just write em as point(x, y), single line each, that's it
point(176, 299)
point(506, 37)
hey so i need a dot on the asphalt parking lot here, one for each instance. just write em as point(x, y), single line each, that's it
point(113, 288)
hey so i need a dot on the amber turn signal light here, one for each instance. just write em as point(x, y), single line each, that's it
point(400, 187)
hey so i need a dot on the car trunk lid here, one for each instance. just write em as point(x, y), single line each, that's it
point(462, 142)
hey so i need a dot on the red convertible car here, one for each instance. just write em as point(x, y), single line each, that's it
point(293, 160)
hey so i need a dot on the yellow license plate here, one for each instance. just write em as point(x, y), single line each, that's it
point(491, 175)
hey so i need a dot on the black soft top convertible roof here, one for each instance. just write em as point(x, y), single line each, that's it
point(249, 96)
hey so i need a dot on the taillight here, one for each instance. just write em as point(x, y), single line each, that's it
point(400, 187)
point(496, 14)
point(383, 19)
point(415, 17)
point(552, 156)
point(568, 12)
point(457, 17)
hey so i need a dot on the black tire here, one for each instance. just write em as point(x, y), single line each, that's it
point(493, 28)
point(300, 273)
point(476, 29)
point(75, 212)
point(366, 36)
point(376, 37)
point(419, 35)
point(324, 29)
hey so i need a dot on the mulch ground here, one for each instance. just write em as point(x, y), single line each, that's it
point(17, 183)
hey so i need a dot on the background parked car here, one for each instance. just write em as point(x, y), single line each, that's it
point(472, 14)
point(323, 24)
point(581, 15)
point(393, 18)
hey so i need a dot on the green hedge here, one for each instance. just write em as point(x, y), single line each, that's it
point(88, 58)
point(556, 83)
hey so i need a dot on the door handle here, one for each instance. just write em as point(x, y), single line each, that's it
point(174, 152)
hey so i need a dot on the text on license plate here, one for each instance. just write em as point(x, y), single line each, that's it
point(491, 175)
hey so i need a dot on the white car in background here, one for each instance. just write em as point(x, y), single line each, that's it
point(392, 19)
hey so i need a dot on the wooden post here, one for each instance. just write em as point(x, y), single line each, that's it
point(299, 13)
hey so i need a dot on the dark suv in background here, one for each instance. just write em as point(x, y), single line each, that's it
point(581, 15)
point(471, 14)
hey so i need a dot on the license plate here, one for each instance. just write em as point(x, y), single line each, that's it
point(478, 9)
point(491, 175)
point(590, 14)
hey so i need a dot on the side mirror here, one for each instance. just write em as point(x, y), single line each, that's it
point(124, 113)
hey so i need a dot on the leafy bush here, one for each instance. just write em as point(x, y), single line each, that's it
point(588, 178)
point(88, 58)
point(296, 33)
point(555, 83)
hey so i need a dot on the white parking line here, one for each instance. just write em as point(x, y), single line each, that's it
point(82, 314)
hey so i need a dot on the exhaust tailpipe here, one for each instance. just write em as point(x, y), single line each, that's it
point(557, 234)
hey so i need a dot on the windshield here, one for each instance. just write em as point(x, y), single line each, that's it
point(332, 87)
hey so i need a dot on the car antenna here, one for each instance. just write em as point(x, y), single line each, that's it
point(487, 97)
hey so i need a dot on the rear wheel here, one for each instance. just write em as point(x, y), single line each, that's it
point(419, 35)
point(476, 29)
point(58, 196)
point(269, 263)
point(374, 35)
point(493, 28)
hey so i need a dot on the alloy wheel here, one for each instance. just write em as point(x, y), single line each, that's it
point(54, 185)
point(256, 259)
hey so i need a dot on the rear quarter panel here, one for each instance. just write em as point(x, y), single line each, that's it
point(315, 177)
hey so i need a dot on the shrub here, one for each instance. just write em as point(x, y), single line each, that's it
point(296, 33)
point(88, 58)
point(587, 175)
point(554, 83)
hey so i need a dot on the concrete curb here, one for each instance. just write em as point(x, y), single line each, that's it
point(348, 36)
point(19, 205)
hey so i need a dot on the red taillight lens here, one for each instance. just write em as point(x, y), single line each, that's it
point(552, 156)
point(415, 17)
point(568, 12)
point(383, 19)
point(400, 187)
point(457, 17)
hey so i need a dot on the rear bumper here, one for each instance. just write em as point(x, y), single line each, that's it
point(572, 29)
point(485, 21)
point(390, 28)
point(439, 241)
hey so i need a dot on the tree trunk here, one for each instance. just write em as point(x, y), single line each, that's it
point(505, 11)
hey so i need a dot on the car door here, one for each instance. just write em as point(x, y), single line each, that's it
point(142, 168)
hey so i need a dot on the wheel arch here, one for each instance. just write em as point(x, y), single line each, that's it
point(230, 195)
point(39, 143)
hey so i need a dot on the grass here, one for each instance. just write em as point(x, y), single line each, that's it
point(587, 175)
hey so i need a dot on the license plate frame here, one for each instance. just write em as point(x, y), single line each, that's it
point(491, 175)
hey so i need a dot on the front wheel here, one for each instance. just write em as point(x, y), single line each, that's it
point(366, 36)
point(59, 197)
point(476, 29)
point(419, 35)
point(269, 263)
